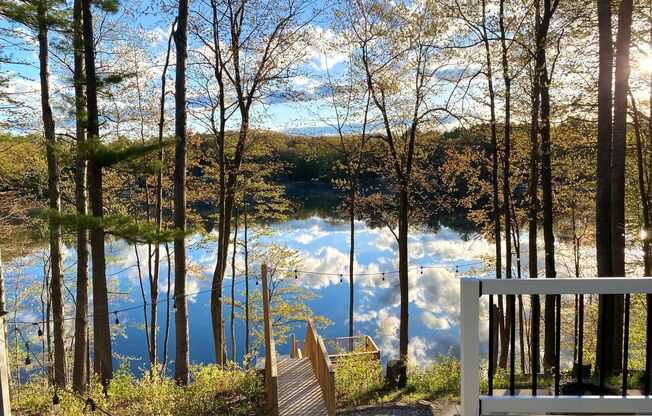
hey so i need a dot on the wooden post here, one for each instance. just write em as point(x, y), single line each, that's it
point(270, 350)
point(292, 346)
point(5, 403)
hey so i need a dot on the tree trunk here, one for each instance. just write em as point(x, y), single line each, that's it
point(181, 315)
point(351, 252)
point(166, 336)
point(246, 268)
point(548, 234)
point(533, 208)
point(404, 205)
point(232, 323)
point(643, 192)
point(507, 335)
point(603, 231)
point(79, 373)
point(618, 151)
point(54, 194)
point(494, 167)
point(102, 358)
point(158, 214)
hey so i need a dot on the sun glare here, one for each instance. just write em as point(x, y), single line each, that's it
point(645, 64)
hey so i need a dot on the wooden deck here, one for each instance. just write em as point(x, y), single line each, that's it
point(299, 392)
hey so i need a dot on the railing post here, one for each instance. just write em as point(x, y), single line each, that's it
point(293, 347)
point(470, 344)
point(270, 351)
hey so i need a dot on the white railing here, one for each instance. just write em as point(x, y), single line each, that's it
point(473, 403)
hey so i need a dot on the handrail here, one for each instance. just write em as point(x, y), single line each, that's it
point(315, 349)
point(271, 370)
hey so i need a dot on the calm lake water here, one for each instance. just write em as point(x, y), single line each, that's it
point(321, 243)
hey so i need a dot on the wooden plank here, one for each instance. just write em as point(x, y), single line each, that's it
point(299, 392)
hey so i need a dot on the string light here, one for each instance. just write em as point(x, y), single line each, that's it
point(28, 361)
point(341, 280)
point(422, 270)
point(174, 306)
point(117, 321)
point(90, 405)
point(383, 276)
point(56, 402)
point(296, 274)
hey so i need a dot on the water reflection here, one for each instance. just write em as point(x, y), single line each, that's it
point(322, 245)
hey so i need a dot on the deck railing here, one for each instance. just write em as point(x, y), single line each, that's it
point(359, 345)
point(271, 370)
point(315, 349)
point(474, 404)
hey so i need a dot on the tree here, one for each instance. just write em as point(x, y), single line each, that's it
point(102, 358)
point(398, 55)
point(272, 34)
point(80, 377)
point(180, 132)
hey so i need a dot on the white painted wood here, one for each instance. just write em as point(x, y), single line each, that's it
point(593, 286)
point(566, 404)
point(470, 344)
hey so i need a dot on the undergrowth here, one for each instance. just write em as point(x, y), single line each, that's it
point(230, 391)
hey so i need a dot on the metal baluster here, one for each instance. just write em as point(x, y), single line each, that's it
point(491, 345)
point(557, 344)
point(604, 302)
point(512, 345)
point(648, 346)
point(626, 344)
point(536, 311)
point(580, 344)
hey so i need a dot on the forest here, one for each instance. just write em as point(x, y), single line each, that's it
point(154, 151)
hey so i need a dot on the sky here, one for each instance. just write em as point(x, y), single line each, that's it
point(152, 31)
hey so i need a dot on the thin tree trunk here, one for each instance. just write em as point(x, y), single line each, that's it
point(232, 323)
point(546, 184)
point(533, 208)
point(643, 192)
point(246, 270)
point(603, 237)
point(403, 225)
point(181, 315)
point(166, 337)
point(507, 329)
point(494, 169)
point(158, 212)
point(54, 193)
point(618, 152)
point(351, 252)
point(79, 373)
point(102, 358)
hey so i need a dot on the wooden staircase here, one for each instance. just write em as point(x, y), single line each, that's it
point(304, 384)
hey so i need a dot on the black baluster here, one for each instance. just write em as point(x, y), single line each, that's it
point(580, 344)
point(648, 346)
point(512, 345)
point(536, 318)
point(557, 344)
point(604, 303)
point(626, 345)
point(491, 345)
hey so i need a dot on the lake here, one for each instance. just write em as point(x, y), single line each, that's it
point(321, 243)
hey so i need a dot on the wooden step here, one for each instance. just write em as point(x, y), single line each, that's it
point(299, 393)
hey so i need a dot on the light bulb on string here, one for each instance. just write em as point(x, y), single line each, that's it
point(422, 270)
point(383, 276)
point(296, 274)
point(117, 321)
point(174, 306)
point(341, 279)
point(56, 402)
